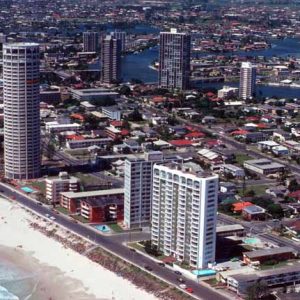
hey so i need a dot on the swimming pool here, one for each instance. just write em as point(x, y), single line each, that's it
point(207, 272)
point(102, 228)
point(27, 189)
point(251, 241)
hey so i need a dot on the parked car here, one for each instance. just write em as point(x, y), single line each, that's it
point(189, 290)
point(180, 280)
point(182, 285)
point(177, 272)
point(148, 268)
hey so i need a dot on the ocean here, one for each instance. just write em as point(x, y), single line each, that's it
point(16, 283)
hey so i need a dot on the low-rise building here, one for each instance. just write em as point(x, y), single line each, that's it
point(94, 205)
point(253, 212)
point(274, 278)
point(235, 171)
point(228, 92)
point(112, 112)
point(263, 166)
point(261, 256)
point(62, 183)
point(102, 143)
point(93, 94)
point(230, 230)
point(54, 126)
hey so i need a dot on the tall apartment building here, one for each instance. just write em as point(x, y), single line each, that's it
point(174, 60)
point(120, 35)
point(138, 188)
point(184, 213)
point(247, 80)
point(57, 185)
point(110, 60)
point(90, 41)
point(21, 94)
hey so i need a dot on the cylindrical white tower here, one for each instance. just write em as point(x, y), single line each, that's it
point(22, 155)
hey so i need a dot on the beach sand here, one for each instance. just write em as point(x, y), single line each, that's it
point(63, 273)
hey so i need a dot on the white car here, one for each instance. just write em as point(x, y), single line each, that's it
point(182, 285)
point(52, 218)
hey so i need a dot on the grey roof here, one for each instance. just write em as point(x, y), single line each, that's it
point(228, 228)
point(254, 209)
point(272, 251)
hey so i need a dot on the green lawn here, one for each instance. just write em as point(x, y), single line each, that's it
point(38, 185)
point(258, 189)
point(115, 227)
point(241, 158)
point(62, 210)
point(80, 219)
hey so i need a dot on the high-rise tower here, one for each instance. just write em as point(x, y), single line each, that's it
point(110, 60)
point(174, 60)
point(247, 80)
point(22, 155)
point(90, 41)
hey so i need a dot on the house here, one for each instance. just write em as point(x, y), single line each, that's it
point(210, 157)
point(226, 187)
point(261, 256)
point(181, 143)
point(293, 228)
point(253, 212)
point(239, 206)
point(280, 150)
point(277, 191)
point(267, 145)
point(235, 171)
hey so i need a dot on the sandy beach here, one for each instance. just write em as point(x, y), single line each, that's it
point(62, 273)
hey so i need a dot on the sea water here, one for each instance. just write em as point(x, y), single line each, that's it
point(16, 283)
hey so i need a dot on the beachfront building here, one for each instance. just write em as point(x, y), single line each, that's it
point(21, 97)
point(174, 60)
point(95, 206)
point(63, 183)
point(138, 188)
point(247, 80)
point(184, 213)
point(90, 41)
point(110, 60)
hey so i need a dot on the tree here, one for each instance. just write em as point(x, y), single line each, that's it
point(294, 185)
point(125, 90)
point(135, 116)
point(257, 290)
point(275, 210)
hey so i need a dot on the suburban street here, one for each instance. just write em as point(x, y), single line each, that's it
point(111, 244)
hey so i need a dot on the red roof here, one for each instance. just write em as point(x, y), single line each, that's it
point(195, 134)
point(77, 116)
point(253, 118)
point(239, 206)
point(295, 194)
point(116, 123)
point(124, 132)
point(239, 132)
point(181, 143)
point(262, 126)
point(210, 94)
point(74, 137)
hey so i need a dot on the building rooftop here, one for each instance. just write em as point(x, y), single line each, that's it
point(266, 252)
point(76, 195)
point(254, 209)
point(264, 163)
point(228, 228)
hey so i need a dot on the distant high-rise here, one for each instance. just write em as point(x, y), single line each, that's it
point(247, 80)
point(21, 95)
point(110, 60)
point(174, 60)
point(138, 188)
point(184, 214)
point(90, 41)
point(120, 35)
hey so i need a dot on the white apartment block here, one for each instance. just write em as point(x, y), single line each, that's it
point(57, 185)
point(112, 112)
point(247, 80)
point(184, 213)
point(228, 92)
point(138, 188)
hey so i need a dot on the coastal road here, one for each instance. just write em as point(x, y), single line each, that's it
point(112, 245)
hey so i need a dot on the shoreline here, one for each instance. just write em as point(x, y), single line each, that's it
point(27, 240)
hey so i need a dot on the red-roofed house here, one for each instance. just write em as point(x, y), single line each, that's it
point(181, 143)
point(78, 117)
point(295, 195)
point(239, 132)
point(74, 137)
point(117, 124)
point(239, 206)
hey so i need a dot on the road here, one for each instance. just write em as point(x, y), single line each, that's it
point(111, 244)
